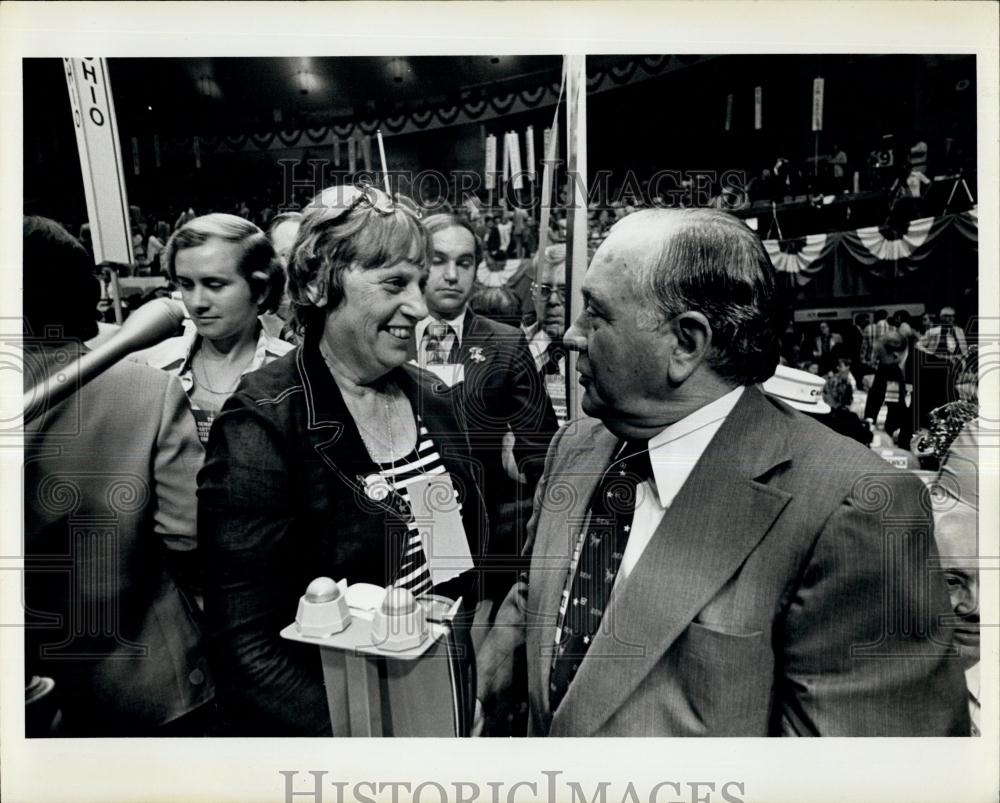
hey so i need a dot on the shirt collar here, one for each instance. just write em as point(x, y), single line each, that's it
point(538, 342)
point(457, 325)
point(267, 347)
point(972, 681)
point(675, 450)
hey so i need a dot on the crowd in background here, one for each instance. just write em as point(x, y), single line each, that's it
point(885, 376)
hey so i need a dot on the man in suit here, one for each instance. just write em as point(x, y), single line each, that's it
point(109, 495)
point(853, 343)
point(827, 347)
point(544, 336)
point(705, 560)
point(957, 533)
point(499, 392)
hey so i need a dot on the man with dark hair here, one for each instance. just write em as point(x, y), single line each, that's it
point(109, 518)
point(500, 397)
point(705, 560)
point(891, 352)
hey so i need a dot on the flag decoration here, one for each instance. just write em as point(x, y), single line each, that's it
point(517, 179)
point(366, 152)
point(490, 170)
point(506, 157)
point(529, 148)
point(804, 257)
point(817, 107)
point(798, 259)
point(881, 247)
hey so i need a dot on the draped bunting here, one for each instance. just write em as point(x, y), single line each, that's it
point(795, 256)
point(471, 108)
point(891, 248)
point(874, 244)
point(881, 249)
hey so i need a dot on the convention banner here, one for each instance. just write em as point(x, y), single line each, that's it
point(100, 158)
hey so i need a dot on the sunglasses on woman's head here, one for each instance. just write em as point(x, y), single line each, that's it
point(335, 203)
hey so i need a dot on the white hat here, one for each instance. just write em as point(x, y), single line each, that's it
point(798, 389)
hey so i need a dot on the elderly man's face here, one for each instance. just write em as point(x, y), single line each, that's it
point(955, 531)
point(550, 300)
point(623, 368)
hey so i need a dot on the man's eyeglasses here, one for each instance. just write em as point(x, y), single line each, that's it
point(547, 291)
point(335, 203)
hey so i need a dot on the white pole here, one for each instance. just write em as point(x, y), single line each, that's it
point(576, 231)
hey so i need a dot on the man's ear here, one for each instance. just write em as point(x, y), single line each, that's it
point(694, 339)
point(259, 279)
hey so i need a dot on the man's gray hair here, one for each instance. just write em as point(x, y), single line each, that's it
point(711, 262)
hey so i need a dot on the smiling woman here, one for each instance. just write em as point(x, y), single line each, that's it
point(314, 462)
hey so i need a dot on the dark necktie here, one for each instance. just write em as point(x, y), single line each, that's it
point(942, 347)
point(609, 522)
point(553, 354)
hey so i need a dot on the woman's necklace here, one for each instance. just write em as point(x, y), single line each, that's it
point(203, 382)
point(366, 408)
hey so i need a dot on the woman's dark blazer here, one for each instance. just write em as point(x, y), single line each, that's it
point(279, 504)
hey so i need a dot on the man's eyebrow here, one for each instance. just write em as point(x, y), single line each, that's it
point(589, 297)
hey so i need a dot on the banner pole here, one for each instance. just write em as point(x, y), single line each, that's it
point(576, 231)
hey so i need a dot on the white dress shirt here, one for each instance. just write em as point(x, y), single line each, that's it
point(538, 343)
point(673, 454)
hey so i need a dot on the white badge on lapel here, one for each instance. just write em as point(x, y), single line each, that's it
point(438, 514)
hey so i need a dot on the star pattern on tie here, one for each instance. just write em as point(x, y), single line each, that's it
point(598, 562)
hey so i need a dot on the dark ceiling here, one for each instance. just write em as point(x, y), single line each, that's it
point(228, 94)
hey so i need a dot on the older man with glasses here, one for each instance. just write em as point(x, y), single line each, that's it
point(548, 292)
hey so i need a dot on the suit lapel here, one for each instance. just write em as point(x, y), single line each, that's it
point(331, 427)
point(716, 520)
point(476, 333)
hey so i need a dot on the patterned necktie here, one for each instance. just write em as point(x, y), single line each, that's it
point(435, 337)
point(553, 354)
point(609, 522)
